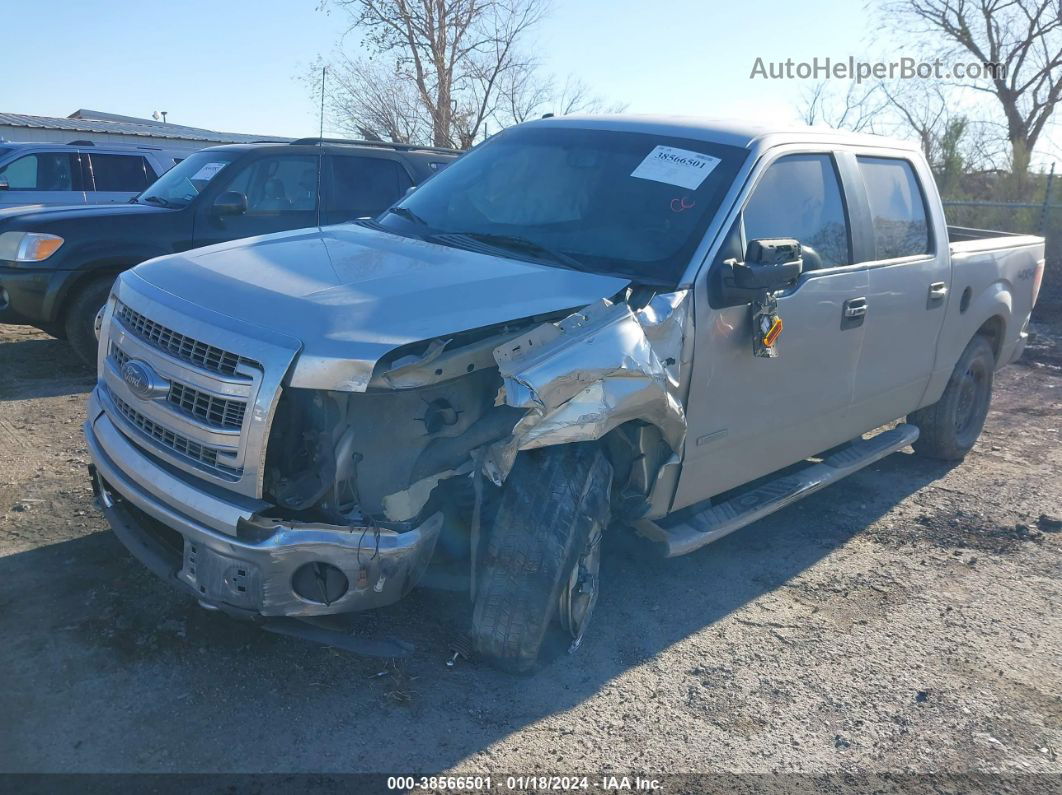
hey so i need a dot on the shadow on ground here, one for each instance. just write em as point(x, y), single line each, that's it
point(34, 368)
point(112, 670)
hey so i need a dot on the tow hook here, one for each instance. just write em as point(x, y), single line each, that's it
point(459, 649)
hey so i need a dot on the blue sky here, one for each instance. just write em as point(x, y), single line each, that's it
point(235, 65)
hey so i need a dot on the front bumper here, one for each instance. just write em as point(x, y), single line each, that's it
point(215, 546)
point(26, 295)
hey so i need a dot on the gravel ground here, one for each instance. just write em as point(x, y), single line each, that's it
point(907, 619)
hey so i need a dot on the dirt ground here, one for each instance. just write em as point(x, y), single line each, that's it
point(906, 619)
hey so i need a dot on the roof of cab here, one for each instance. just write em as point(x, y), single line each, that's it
point(336, 145)
point(744, 134)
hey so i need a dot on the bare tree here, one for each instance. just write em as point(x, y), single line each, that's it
point(1021, 40)
point(923, 109)
point(920, 110)
point(454, 53)
point(858, 109)
point(525, 95)
point(371, 100)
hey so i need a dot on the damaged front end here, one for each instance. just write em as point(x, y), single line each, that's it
point(598, 369)
point(360, 488)
point(437, 415)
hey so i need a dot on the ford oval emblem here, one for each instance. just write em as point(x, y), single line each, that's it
point(142, 381)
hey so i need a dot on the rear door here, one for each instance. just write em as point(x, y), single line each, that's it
point(111, 178)
point(749, 416)
point(910, 277)
point(281, 194)
point(45, 177)
point(359, 187)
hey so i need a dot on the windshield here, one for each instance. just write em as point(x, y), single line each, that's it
point(633, 204)
point(179, 186)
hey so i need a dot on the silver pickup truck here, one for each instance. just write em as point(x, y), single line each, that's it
point(584, 326)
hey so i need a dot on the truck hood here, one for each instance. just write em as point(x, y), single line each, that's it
point(351, 295)
point(31, 216)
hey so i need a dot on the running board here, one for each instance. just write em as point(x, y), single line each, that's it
point(689, 529)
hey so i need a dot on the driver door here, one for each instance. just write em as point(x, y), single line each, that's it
point(749, 416)
point(281, 193)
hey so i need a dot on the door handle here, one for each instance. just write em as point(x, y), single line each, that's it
point(937, 290)
point(855, 307)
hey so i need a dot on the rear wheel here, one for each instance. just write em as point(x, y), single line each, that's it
point(81, 318)
point(539, 579)
point(950, 427)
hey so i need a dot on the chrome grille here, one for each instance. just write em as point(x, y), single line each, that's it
point(223, 440)
point(192, 350)
point(219, 411)
point(207, 456)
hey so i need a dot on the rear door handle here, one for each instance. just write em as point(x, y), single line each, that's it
point(855, 307)
point(937, 290)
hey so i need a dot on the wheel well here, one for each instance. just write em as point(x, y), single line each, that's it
point(71, 292)
point(992, 329)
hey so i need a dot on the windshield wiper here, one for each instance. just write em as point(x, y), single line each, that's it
point(158, 200)
point(409, 215)
point(517, 243)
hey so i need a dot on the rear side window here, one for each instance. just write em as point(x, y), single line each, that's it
point(897, 207)
point(799, 196)
point(363, 186)
point(42, 171)
point(120, 172)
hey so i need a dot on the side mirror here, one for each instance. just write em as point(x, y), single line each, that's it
point(230, 203)
point(770, 264)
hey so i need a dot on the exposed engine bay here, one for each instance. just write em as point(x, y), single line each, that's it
point(440, 410)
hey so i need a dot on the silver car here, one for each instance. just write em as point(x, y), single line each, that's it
point(80, 172)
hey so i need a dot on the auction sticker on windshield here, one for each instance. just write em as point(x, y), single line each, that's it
point(208, 171)
point(676, 167)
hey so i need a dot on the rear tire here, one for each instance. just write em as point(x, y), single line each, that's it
point(541, 555)
point(950, 427)
point(81, 318)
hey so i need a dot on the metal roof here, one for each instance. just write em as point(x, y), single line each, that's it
point(95, 122)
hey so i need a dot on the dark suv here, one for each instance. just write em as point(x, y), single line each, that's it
point(57, 264)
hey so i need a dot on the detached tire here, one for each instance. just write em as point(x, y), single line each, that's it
point(541, 554)
point(950, 427)
point(81, 318)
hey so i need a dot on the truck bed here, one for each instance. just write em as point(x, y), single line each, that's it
point(967, 240)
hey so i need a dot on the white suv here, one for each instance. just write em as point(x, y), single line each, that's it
point(79, 172)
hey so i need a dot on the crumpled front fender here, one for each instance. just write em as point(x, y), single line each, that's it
point(589, 373)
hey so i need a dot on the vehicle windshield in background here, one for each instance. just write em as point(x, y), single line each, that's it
point(179, 186)
point(609, 202)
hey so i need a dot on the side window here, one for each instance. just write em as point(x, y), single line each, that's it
point(897, 207)
point(119, 172)
point(799, 196)
point(278, 184)
point(363, 186)
point(42, 171)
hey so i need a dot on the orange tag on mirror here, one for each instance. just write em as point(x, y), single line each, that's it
point(773, 332)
